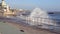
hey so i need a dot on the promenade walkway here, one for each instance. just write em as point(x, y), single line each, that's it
point(21, 26)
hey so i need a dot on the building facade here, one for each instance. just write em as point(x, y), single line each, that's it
point(5, 9)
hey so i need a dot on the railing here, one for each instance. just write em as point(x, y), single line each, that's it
point(38, 23)
point(45, 23)
point(41, 20)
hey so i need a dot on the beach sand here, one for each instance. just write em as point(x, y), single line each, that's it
point(6, 28)
point(29, 30)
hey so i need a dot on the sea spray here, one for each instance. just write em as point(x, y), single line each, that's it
point(39, 17)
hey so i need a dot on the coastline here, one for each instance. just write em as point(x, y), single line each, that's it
point(27, 29)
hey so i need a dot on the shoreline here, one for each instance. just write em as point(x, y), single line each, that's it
point(26, 28)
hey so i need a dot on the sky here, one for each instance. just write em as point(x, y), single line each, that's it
point(53, 5)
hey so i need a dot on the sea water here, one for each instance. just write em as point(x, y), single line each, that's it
point(55, 17)
point(37, 14)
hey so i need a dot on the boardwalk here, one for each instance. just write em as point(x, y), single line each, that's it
point(26, 28)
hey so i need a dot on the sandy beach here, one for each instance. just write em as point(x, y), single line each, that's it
point(6, 28)
point(29, 30)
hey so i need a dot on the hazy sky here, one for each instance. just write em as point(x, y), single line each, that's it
point(30, 4)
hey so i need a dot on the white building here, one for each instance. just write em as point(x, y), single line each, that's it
point(3, 7)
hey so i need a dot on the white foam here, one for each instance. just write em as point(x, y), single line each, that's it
point(37, 12)
point(38, 16)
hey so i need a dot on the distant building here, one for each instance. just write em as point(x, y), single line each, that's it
point(5, 9)
point(22, 12)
